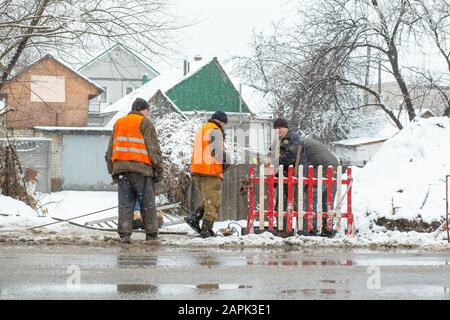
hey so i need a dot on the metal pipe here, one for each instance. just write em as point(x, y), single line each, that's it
point(240, 103)
point(446, 206)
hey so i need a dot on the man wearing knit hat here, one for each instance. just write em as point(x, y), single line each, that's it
point(208, 164)
point(290, 144)
point(313, 153)
point(134, 160)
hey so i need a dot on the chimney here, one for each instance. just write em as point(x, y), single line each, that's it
point(186, 67)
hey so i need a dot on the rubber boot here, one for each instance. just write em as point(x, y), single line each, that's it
point(193, 219)
point(325, 232)
point(207, 229)
point(126, 238)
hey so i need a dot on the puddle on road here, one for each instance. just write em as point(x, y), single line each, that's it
point(211, 261)
point(316, 292)
point(401, 261)
point(418, 291)
point(136, 288)
point(279, 261)
point(139, 289)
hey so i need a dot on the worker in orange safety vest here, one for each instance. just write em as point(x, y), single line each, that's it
point(208, 164)
point(134, 160)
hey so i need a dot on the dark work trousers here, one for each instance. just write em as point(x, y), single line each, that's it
point(324, 204)
point(134, 186)
point(305, 202)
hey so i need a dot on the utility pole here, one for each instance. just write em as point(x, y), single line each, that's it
point(240, 103)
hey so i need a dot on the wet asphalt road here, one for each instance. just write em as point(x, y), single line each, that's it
point(161, 272)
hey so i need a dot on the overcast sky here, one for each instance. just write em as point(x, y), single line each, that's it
point(224, 27)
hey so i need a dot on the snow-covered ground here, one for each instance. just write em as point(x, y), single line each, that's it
point(405, 179)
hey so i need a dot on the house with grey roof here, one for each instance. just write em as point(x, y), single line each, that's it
point(119, 71)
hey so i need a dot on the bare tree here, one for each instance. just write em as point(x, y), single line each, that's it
point(324, 64)
point(433, 17)
point(69, 27)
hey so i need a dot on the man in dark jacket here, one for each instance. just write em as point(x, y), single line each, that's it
point(318, 154)
point(134, 160)
point(291, 143)
point(312, 153)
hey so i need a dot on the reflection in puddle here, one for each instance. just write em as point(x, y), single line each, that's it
point(223, 286)
point(280, 261)
point(211, 261)
point(208, 286)
point(328, 292)
point(314, 292)
point(136, 261)
point(328, 281)
point(142, 289)
point(136, 288)
point(402, 261)
point(419, 291)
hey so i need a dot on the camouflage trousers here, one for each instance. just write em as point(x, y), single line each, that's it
point(210, 188)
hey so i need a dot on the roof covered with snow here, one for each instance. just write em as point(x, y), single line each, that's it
point(162, 82)
point(360, 141)
point(65, 65)
point(167, 80)
point(93, 130)
point(118, 45)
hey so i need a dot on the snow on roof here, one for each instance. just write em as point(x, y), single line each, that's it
point(26, 139)
point(360, 141)
point(380, 125)
point(64, 65)
point(73, 129)
point(173, 104)
point(122, 107)
point(257, 101)
point(406, 177)
point(161, 82)
point(164, 82)
point(102, 53)
point(167, 80)
point(78, 74)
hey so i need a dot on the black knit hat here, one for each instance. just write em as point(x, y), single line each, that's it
point(140, 104)
point(221, 116)
point(280, 123)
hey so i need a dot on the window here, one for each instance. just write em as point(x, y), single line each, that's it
point(104, 95)
point(129, 90)
point(48, 89)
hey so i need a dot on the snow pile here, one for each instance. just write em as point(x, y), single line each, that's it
point(389, 239)
point(406, 177)
point(70, 204)
point(15, 213)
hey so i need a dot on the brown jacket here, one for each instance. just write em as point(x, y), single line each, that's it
point(153, 149)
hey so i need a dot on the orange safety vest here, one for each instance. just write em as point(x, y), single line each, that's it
point(128, 141)
point(202, 160)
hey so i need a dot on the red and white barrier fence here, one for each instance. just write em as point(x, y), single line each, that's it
point(267, 179)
